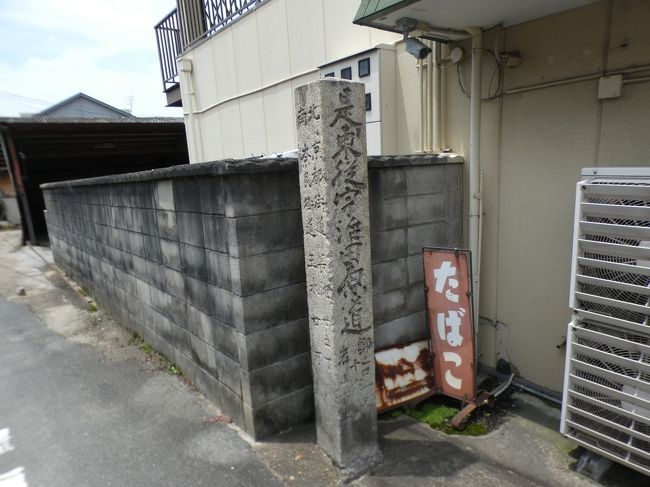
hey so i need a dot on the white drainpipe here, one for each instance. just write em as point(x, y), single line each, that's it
point(437, 124)
point(475, 166)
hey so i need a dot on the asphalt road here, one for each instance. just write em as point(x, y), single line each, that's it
point(69, 417)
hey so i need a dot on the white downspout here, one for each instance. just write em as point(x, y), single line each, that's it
point(438, 104)
point(430, 115)
point(422, 110)
point(185, 70)
point(475, 166)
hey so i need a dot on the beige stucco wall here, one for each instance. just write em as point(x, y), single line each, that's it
point(533, 143)
point(244, 76)
point(533, 147)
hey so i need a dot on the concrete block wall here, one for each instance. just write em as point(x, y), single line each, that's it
point(415, 202)
point(206, 262)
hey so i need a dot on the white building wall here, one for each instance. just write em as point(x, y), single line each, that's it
point(245, 74)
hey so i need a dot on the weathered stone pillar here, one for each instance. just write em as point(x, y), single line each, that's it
point(331, 130)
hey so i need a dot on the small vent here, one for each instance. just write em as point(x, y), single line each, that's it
point(607, 388)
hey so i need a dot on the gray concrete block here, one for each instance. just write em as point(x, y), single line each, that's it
point(209, 385)
point(185, 364)
point(140, 268)
point(164, 195)
point(226, 339)
point(402, 330)
point(218, 269)
point(455, 233)
point(433, 179)
point(386, 214)
point(427, 208)
point(167, 225)
point(215, 232)
point(190, 228)
point(415, 298)
point(221, 302)
point(197, 293)
point(174, 283)
point(152, 248)
point(387, 182)
point(193, 261)
point(186, 195)
point(212, 194)
point(388, 245)
point(253, 194)
point(273, 344)
point(269, 308)
point(231, 404)
point(388, 276)
point(136, 244)
point(427, 235)
point(170, 252)
point(203, 354)
point(454, 205)
point(266, 233)
point(228, 372)
point(144, 291)
point(415, 267)
point(389, 306)
point(277, 380)
point(149, 224)
point(267, 271)
point(295, 408)
point(200, 324)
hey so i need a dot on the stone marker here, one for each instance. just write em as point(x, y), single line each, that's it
point(331, 129)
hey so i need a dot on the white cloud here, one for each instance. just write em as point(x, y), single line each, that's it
point(106, 49)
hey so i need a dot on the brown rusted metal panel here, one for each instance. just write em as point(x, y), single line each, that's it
point(403, 375)
point(447, 279)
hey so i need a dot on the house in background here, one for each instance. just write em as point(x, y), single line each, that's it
point(565, 86)
point(80, 137)
point(83, 106)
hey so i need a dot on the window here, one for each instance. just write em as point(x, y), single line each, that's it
point(364, 67)
point(346, 73)
point(330, 75)
point(368, 102)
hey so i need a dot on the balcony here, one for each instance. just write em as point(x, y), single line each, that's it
point(188, 25)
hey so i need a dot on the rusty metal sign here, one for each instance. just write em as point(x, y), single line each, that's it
point(448, 285)
point(403, 375)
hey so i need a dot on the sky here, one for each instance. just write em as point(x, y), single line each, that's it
point(53, 49)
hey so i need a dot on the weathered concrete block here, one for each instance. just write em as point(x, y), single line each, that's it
point(197, 293)
point(204, 355)
point(427, 235)
point(427, 208)
point(212, 195)
point(387, 214)
point(190, 228)
point(167, 225)
point(221, 304)
point(218, 269)
point(330, 117)
point(226, 339)
point(415, 299)
point(215, 232)
point(171, 254)
point(186, 195)
point(228, 372)
point(200, 324)
point(405, 329)
point(164, 196)
point(275, 344)
point(389, 306)
point(174, 283)
point(253, 194)
point(268, 271)
point(415, 268)
point(388, 245)
point(389, 276)
point(263, 421)
point(259, 234)
point(269, 308)
point(193, 261)
point(387, 183)
point(276, 380)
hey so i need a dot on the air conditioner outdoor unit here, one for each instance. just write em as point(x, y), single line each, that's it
point(606, 402)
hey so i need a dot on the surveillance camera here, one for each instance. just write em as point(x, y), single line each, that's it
point(417, 48)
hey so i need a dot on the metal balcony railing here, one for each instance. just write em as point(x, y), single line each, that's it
point(197, 19)
point(168, 38)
